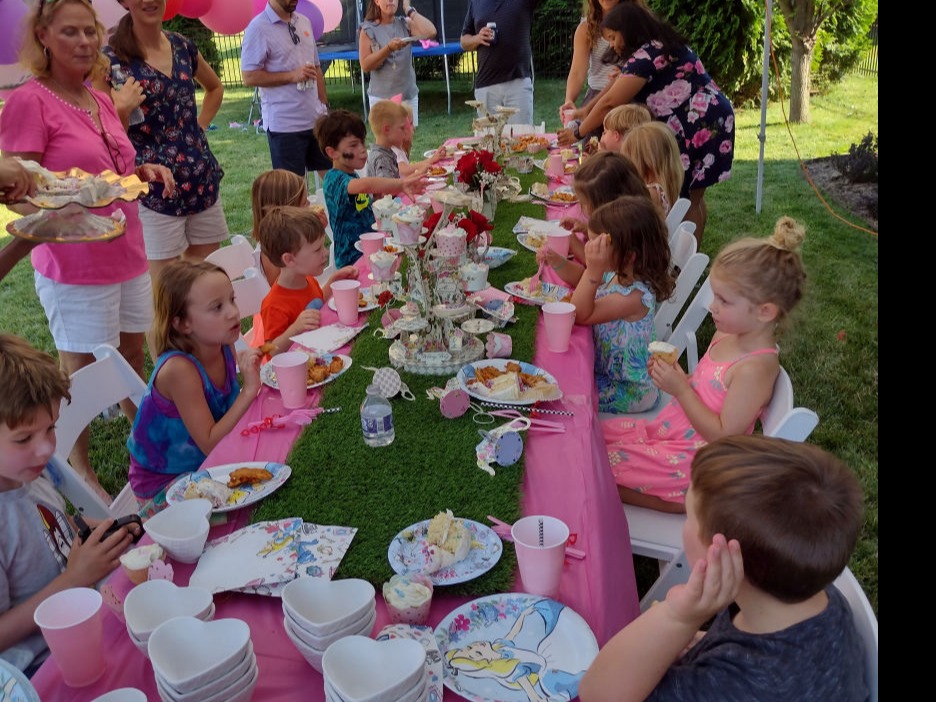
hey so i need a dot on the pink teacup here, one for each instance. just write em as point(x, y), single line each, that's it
point(499, 345)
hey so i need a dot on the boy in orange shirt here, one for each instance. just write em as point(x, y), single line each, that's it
point(293, 239)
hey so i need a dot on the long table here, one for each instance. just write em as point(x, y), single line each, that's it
point(565, 475)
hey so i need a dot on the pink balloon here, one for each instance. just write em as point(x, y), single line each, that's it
point(12, 13)
point(258, 6)
point(331, 13)
point(196, 8)
point(109, 12)
point(315, 17)
point(229, 17)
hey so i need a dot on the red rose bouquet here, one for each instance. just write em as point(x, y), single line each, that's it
point(478, 169)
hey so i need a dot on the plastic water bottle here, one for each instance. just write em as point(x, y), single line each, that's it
point(118, 78)
point(377, 418)
point(493, 27)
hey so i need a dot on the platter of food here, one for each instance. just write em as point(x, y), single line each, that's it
point(230, 486)
point(69, 225)
point(321, 368)
point(56, 189)
point(508, 381)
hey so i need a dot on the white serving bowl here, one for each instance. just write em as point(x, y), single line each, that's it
point(322, 607)
point(312, 655)
point(188, 653)
point(181, 529)
point(393, 667)
point(418, 693)
point(151, 603)
point(228, 683)
point(241, 691)
point(363, 626)
point(124, 694)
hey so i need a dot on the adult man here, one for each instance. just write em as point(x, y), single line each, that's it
point(278, 56)
point(505, 57)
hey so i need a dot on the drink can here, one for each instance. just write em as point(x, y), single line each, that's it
point(493, 27)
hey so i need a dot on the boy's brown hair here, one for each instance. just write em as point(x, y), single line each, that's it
point(331, 128)
point(31, 380)
point(385, 113)
point(606, 176)
point(286, 229)
point(795, 509)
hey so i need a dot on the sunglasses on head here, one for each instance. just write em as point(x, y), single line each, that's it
point(293, 34)
point(44, 3)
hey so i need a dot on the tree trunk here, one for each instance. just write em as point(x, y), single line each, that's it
point(800, 78)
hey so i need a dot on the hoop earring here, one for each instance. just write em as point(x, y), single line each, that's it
point(47, 53)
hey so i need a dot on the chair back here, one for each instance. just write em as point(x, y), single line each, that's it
point(866, 624)
point(234, 258)
point(683, 244)
point(677, 214)
point(667, 311)
point(683, 336)
point(249, 292)
point(781, 419)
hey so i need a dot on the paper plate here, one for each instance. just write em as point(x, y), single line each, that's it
point(544, 195)
point(525, 224)
point(531, 241)
point(407, 553)
point(243, 495)
point(268, 375)
point(497, 256)
point(478, 391)
point(548, 292)
point(15, 686)
point(552, 644)
point(370, 302)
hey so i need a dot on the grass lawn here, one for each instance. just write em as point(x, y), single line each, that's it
point(831, 351)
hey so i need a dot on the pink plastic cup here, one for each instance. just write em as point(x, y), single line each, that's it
point(558, 318)
point(554, 166)
point(70, 621)
point(371, 242)
point(540, 541)
point(558, 241)
point(291, 377)
point(346, 300)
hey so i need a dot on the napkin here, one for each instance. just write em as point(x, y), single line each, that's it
point(329, 338)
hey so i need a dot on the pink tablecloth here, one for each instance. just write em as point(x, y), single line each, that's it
point(567, 475)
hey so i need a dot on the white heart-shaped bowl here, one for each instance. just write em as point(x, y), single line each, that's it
point(231, 681)
point(188, 653)
point(323, 607)
point(181, 529)
point(124, 694)
point(241, 691)
point(363, 626)
point(418, 693)
point(393, 667)
point(312, 655)
point(151, 603)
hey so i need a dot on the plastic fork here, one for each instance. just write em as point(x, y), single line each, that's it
point(535, 278)
point(502, 529)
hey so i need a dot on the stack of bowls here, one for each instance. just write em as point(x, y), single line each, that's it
point(197, 661)
point(181, 529)
point(154, 602)
point(320, 612)
point(396, 671)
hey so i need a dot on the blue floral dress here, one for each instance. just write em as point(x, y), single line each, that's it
point(170, 134)
point(621, 354)
point(680, 93)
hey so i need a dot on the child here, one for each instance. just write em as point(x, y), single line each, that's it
point(403, 152)
point(782, 630)
point(619, 120)
point(193, 399)
point(348, 198)
point(388, 123)
point(653, 149)
point(270, 189)
point(293, 239)
point(602, 178)
point(756, 284)
point(38, 553)
point(627, 270)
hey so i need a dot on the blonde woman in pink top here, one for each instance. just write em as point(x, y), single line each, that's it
point(92, 292)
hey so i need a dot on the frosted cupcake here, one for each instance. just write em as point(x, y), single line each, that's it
point(474, 276)
point(384, 209)
point(409, 222)
point(451, 241)
point(382, 265)
point(408, 598)
point(136, 561)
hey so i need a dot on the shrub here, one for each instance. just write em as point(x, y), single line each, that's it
point(860, 165)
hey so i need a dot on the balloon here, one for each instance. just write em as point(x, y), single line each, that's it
point(229, 17)
point(11, 76)
point(258, 6)
point(196, 8)
point(109, 12)
point(315, 16)
point(172, 9)
point(331, 13)
point(12, 13)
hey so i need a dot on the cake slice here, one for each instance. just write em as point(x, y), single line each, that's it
point(448, 541)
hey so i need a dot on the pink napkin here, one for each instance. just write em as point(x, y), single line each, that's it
point(427, 43)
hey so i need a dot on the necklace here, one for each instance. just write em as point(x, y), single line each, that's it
point(82, 104)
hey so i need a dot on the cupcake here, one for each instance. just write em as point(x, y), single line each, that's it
point(136, 561)
point(408, 598)
point(382, 265)
point(409, 222)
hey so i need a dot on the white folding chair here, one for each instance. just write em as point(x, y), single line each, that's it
point(866, 624)
point(691, 270)
point(94, 388)
point(676, 214)
point(234, 258)
point(249, 292)
point(520, 129)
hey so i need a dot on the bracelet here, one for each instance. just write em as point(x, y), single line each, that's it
point(576, 133)
point(561, 265)
point(409, 12)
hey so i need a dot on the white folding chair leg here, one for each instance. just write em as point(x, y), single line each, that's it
point(74, 487)
point(675, 572)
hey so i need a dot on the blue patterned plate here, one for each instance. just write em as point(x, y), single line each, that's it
point(407, 553)
point(15, 686)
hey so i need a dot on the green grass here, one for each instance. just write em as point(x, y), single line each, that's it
point(831, 352)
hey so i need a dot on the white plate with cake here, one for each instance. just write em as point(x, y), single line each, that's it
point(240, 495)
point(543, 293)
point(446, 548)
point(508, 381)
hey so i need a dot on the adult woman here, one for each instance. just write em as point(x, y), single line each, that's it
point(385, 50)
point(164, 68)
point(92, 292)
point(659, 70)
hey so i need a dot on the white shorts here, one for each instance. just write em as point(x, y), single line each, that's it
point(414, 103)
point(167, 236)
point(512, 93)
point(81, 317)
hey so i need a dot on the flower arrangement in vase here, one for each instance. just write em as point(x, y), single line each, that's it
point(473, 224)
point(480, 172)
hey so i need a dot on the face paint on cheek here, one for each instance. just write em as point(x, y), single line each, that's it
point(347, 155)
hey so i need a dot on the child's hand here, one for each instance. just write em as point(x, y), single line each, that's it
point(346, 273)
point(249, 363)
point(670, 378)
point(439, 154)
point(598, 253)
point(93, 559)
point(414, 184)
point(713, 584)
point(306, 321)
point(544, 254)
point(573, 224)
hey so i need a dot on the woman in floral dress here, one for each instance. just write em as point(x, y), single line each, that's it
point(659, 70)
point(163, 68)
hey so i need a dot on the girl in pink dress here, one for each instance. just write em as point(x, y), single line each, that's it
point(756, 284)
